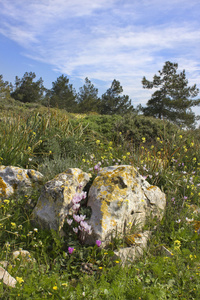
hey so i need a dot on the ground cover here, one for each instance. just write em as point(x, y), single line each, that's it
point(52, 141)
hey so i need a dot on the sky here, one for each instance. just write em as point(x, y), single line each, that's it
point(100, 39)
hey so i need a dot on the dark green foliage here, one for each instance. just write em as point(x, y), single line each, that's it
point(87, 97)
point(26, 90)
point(173, 99)
point(113, 103)
point(62, 95)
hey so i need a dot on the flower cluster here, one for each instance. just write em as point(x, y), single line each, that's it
point(82, 225)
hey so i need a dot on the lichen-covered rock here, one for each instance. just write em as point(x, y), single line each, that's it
point(129, 254)
point(120, 196)
point(14, 179)
point(56, 195)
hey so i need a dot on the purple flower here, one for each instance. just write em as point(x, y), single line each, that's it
point(97, 167)
point(98, 243)
point(70, 250)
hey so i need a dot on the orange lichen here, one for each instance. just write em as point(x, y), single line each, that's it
point(3, 187)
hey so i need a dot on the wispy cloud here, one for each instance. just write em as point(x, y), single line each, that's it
point(104, 39)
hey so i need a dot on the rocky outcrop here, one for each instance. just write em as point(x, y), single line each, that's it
point(120, 198)
point(56, 197)
point(14, 179)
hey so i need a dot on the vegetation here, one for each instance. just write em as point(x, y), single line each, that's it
point(173, 100)
point(51, 140)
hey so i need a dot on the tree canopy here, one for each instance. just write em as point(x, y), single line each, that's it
point(62, 94)
point(5, 89)
point(173, 98)
point(113, 103)
point(26, 90)
point(88, 97)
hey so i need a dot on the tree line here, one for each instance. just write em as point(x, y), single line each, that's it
point(172, 100)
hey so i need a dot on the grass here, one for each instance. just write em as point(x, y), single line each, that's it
point(53, 141)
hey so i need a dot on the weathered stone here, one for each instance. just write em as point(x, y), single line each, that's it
point(120, 196)
point(24, 254)
point(7, 278)
point(128, 254)
point(55, 200)
point(14, 179)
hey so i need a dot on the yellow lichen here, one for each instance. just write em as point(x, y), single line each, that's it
point(3, 187)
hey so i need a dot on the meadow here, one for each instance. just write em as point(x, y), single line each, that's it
point(51, 141)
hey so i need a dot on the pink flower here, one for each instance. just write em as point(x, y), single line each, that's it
point(75, 230)
point(98, 243)
point(69, 221)
point(70, 250)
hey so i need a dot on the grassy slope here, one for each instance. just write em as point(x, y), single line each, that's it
point(53, 140)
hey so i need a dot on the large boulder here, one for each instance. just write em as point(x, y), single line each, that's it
point(118, 197)
point(14, 179)
point(56, 197)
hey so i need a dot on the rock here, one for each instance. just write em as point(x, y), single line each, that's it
point(7, 278)
point(14, 179)
point(120, 196)
point(24, 254)
point(128, 254)
point(55, 200)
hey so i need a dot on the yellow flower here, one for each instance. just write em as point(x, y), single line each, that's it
point(98, 142)
point(20, 280)
point(191, 144)
point(180, 136)
point(83, 160)
point(194, 159)
point(13, 225)
point(100, 268)
point(6, 201)
point(128, 153)
point(117, 262)
point(65, 284)
point(55, 287)
point(143, 139)
point(124, 157)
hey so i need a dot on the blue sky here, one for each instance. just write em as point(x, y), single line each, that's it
point(100, 39)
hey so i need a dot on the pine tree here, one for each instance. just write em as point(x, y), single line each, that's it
point(173, 99)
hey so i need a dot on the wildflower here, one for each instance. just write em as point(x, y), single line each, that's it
point(124, 157)
point(55, 287)
point(78, 218)
point(98, 142)
point(20, 280)
point(180, 136)
point(64, 284)
point(69, 221)
point(100, 268)
point(83, 160)
point(6, 201)
point(97, 167)
point(128, 153)
point(13, 225)
point(191, 144)
point(35, 229)
point(98, 243)
point(117, 262)
point(70, 250)
point(75, 230)
point(143, 139)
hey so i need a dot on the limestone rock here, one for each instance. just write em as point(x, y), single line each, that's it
point(24, 254)
point(7, 278)
point(129, 254)
point(56, 195)
point(14, 179)
point(120, 196)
